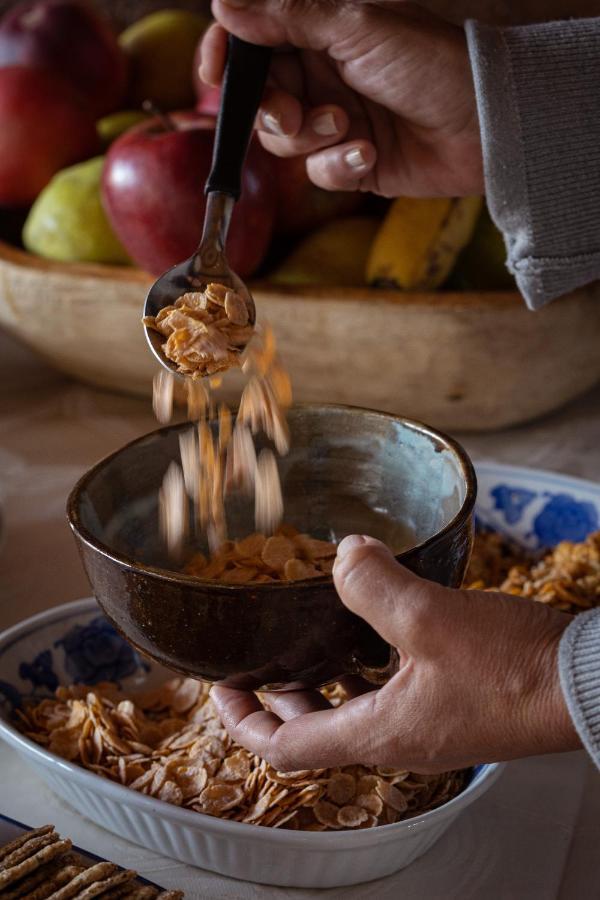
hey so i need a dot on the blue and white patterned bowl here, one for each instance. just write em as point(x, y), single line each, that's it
point(74, 643)
point(536, 509)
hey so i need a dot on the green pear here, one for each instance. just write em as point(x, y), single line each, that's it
point(67, 221)
point(482, 264)
point(335, 254)
point(160, 48)
point(111, 127)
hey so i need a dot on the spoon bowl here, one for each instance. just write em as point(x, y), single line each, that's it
point(208, 264)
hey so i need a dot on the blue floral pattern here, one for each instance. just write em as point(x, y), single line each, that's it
point(512, 501)
point(564, 519)
point(40, 672)
point(536, 509)
point(10, 697)
point(96, 652)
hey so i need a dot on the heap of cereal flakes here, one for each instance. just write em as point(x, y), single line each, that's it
point(169, 743)
point(567, 577)
point(257, 559)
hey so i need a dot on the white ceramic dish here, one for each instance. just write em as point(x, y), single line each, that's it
point(73, 642)
point(64, 645)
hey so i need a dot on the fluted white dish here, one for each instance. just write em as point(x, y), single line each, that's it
point(63, 644)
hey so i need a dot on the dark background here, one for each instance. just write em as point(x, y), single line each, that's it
point(122, 13)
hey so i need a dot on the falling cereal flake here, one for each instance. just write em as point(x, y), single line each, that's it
point(268, 500)
point(173, 510)
point(163, 386)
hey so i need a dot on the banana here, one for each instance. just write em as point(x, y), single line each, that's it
point(419, 240)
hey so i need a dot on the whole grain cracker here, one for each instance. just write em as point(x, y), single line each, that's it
point(9, 876)
point(7, 849)
point(28, 848)
point(105, 884)
point(92, 875)
point(44, 881)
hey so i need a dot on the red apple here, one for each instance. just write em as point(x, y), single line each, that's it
point(71, 39)
point(209, 98)
point(44, 126)
point(153, 193)
point(302, 206)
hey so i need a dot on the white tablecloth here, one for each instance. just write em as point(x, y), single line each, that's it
point(535, 836)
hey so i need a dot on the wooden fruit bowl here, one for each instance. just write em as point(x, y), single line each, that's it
point(474, 361)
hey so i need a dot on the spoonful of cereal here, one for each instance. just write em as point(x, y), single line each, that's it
point(199, 315)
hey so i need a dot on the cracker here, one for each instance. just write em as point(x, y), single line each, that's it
point(27, 849)
point(90, 876)
point(9, 876)
point(49, 882)
point(106, 884)
point(23, 839)
point(44, 876)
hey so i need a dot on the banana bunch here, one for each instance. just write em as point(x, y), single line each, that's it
point(419, 241)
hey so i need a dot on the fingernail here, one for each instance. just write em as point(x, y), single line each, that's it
point(355, 158)
point(348, 544)
point(325, 125)
point(272, 123)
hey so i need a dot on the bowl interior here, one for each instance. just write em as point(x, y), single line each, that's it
point(348, 471)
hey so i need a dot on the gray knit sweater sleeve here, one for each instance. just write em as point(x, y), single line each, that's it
point(538, 98)
point(579, 667)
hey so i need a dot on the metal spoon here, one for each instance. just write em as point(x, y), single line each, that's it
point(243, 84)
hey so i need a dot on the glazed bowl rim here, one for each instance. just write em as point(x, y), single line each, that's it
point(157, 572)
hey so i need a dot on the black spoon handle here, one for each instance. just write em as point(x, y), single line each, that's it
point(243, 84)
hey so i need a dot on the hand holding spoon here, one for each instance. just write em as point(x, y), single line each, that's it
point(243, 84)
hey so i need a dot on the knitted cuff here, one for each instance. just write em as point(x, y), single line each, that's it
point(538, 99)
point(579, 669)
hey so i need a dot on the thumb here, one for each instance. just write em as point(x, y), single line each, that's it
point(370, 582)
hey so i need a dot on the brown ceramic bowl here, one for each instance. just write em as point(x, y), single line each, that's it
point(349, 471)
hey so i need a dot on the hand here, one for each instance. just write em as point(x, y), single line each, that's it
point(478, 680)
point(381, 97)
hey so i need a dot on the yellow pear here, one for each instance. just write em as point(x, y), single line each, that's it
point(111, 127)
point(67, 221)
point(334, 254)
point(160, 48)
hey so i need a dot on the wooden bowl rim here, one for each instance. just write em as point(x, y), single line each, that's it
point(129, 274)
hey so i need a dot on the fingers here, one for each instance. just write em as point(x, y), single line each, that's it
point(324, 738)
point(354, 685)
point(343, 166)
point(286, 130)
point(290, 704)
point(280, 114)
point(213, 55)
point(370, 582)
